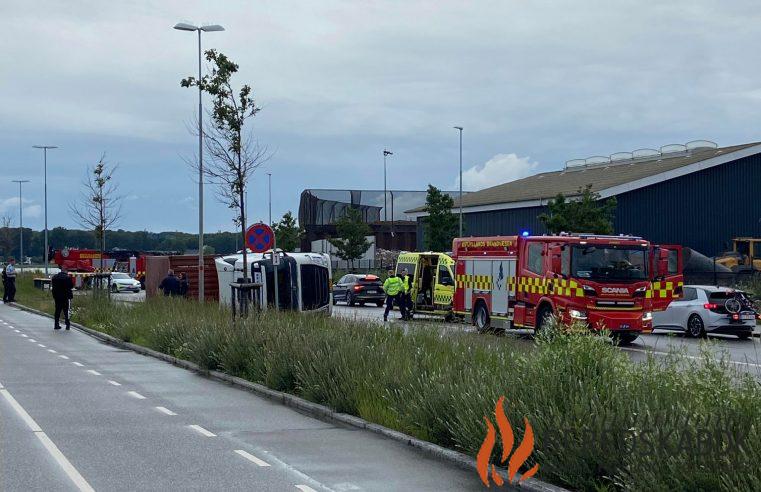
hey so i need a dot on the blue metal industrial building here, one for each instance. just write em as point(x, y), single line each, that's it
point(696, 195)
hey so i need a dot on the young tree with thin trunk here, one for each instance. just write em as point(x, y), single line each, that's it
point(352, 231)
point(288, 232)
point(232, 154)
point(100, 207)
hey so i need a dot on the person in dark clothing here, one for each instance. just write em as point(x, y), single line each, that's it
point(170, 285)
point(60, 286)
point(9, 281)
point(408, 281)
point(184, 284)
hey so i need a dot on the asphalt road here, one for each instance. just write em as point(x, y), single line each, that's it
point(78, 414)
point(744, 355)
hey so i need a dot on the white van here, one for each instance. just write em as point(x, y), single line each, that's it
point(304, 279)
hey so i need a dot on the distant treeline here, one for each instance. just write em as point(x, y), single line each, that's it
point(60, 237)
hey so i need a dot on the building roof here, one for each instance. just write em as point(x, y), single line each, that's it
point(607, 179)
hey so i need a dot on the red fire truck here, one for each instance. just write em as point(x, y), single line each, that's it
point(611, 282)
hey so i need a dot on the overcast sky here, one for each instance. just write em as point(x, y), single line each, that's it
point(533, 83)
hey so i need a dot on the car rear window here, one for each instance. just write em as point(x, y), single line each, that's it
point(720, 296)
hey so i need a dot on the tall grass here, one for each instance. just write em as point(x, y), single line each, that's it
point(601, 422)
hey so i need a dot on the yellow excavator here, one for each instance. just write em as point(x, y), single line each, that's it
point(745, 254)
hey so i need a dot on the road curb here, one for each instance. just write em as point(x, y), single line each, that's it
point(310, 408)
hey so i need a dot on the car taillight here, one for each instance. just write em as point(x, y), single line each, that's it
point(709, 305)
point(357, 287)
point(735, 317)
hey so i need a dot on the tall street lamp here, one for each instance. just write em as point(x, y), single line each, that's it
point(459, 128)
point(45, 154)
point(182, 26)
point(385, 206)
point(20, 222)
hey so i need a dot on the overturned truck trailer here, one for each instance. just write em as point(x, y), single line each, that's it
point(304, 279)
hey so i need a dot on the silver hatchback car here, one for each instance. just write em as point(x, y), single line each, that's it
point(708, 309)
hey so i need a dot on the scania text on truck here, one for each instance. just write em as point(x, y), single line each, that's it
point(607, 282)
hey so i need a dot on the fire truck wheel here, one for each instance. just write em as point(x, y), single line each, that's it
point(624, 338)
point(481, 319)
point(542, 317)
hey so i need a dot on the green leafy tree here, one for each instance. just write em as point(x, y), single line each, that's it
point(352, 231)
point(288, 232)
point(231, 151)
point(7, 236)
point(441, 224)
point(586, 214)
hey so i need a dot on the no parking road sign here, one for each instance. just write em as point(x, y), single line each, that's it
point(260, 238)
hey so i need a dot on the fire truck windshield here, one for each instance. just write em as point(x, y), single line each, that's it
point(608, 262)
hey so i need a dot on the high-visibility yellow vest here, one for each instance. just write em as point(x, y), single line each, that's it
point(393, 286)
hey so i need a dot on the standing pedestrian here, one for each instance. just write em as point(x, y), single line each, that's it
point(407, 280)
point(9, 292)
point(184, 284)
point(170, 285)
point(392, 287)
point(5, 285)
point(61, 286)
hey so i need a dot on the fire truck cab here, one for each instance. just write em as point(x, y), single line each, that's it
point(607, 282)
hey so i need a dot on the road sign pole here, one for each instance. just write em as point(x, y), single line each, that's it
point(259, 239)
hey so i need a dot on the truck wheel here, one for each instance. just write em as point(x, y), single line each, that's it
point(481, 319)
point(624, 338)
point(695, 327)
point(541, 318)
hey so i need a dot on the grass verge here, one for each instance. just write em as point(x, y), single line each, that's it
point(601, 422)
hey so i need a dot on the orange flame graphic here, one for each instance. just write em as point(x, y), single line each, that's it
point(518, 458)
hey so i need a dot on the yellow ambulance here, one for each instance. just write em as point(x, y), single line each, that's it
point(432, 281)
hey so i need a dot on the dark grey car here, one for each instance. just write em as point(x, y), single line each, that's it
point(359, 289)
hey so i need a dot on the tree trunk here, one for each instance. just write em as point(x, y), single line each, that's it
point(243, 232)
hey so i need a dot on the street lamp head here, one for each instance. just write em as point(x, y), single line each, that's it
point(19, 181)
point(184, 26)
point(212, 28)
point(457, 128)
point(387, 152)
point(45, 146)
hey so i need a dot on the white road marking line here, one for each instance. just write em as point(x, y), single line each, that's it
point(93, 372)
point(202, 431)
point(303, 476)
point(78, 364)
point(693, 357)
point(24, 336)
point(64, 356)
point(32, 340)
point(305, 488)
point(28, 420)
point(114, 383)
point(56, 453)
point(52, 351)
point(166, 411)
point(41, 345)
point(17, 331)
point(135, 394)
point(250, 457)
point(68, 468)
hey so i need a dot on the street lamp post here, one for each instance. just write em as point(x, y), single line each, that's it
point(20, 222)
point(385, 206)
point(459, 128)
point(275, 268)
point(182, 26)
point(45, 160)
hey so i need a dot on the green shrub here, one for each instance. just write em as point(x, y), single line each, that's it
point(601, 421)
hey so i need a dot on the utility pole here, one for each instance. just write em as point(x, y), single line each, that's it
point(20, 222)
point(385, 205)
point(182, 26)
point(45, 154)
point(460, 130)
point(275, 268)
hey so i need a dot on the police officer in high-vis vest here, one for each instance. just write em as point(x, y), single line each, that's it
point(393, 287)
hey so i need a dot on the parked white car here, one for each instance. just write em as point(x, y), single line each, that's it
point(121, 282)
point(707, 309)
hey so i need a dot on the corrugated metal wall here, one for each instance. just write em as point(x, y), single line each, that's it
point(702, 210)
